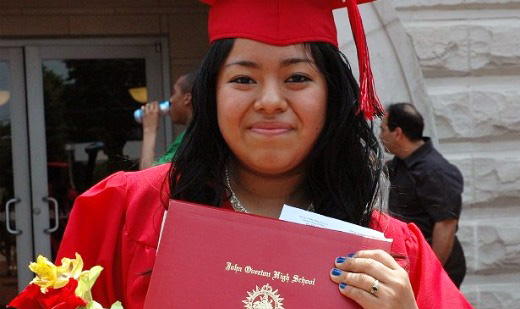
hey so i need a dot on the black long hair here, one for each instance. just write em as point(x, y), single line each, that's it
point(343, 168)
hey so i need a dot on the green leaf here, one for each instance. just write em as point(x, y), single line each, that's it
point(117, 305)
point(85, 282)
point(93, 274)
point(83, 289)
point(94, 305)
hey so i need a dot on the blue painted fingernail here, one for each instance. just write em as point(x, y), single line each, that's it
point(350, 255)
point(336, 272)
point(342, 285)
point(340, 259)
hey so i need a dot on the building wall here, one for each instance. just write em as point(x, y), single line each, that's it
point(184, 22)
point(469, 52)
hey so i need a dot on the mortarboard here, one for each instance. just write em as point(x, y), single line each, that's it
point(285, 22)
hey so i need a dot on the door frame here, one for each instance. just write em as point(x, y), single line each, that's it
point(20, 161)
point(155, 51)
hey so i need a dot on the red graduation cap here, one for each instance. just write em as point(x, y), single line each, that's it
point(285, 22)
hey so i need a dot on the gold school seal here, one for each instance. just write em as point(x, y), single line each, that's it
point(263, 298)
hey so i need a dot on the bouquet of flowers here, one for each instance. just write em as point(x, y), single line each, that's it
point(60, 287)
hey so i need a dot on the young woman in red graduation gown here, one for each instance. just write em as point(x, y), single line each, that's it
point(276, 121)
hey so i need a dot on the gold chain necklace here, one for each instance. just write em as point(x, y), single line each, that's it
point(237, 205)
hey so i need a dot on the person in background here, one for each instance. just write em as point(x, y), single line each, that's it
point(180, 114)
point(425, 188)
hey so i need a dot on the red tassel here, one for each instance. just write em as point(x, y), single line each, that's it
point(369, 103)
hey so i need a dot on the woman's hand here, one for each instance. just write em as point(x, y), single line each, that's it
point(373, 279)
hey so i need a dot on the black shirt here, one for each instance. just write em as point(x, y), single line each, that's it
point(425, 188)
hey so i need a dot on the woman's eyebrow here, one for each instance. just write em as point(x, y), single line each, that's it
point(245, 63)
point(284, 63)
point(291, 61)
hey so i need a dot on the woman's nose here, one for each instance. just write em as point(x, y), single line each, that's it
point(271, 99)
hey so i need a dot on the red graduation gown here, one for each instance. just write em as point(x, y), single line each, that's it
point(116, 224)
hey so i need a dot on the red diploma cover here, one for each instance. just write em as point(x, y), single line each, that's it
point(215, 258)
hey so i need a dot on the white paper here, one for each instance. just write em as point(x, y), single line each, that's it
point(162, 228)
point(297, 215)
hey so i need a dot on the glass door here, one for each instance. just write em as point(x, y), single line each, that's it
point(81, 123)
point(69, 114)
point(15, 196)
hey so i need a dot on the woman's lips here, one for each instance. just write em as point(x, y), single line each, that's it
point(271, 128)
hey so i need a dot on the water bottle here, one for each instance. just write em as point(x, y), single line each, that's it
point(164, 107)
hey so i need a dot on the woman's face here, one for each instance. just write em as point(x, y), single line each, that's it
point(271, 105)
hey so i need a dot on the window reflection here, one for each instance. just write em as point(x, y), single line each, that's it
point(88, 111)
point(89, 124)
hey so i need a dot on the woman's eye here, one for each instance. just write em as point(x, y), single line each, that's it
point(298, 78)
point(243, 80)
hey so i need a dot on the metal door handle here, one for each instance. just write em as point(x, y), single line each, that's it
point(53, 229)
point(8, 216)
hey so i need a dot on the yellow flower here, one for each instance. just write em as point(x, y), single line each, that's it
point(70, 268)
point(46, 273)
point(49, 275)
